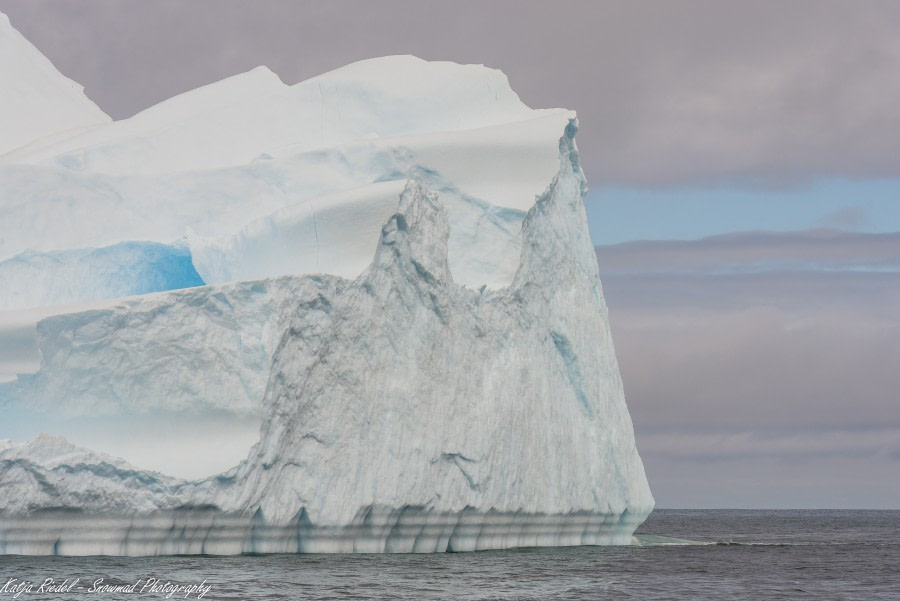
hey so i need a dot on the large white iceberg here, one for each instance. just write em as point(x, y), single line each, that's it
point(385, 269)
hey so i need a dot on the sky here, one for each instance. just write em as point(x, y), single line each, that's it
point(744, 166)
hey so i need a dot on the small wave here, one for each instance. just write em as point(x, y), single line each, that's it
point(731, 543)
point(655, 540)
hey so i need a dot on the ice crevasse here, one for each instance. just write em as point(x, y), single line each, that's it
point(447, 382)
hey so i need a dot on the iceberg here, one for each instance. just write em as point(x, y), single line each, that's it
point(385, 271)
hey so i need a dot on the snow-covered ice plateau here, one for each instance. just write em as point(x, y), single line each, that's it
point(385, 271)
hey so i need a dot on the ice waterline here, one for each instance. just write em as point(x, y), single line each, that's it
point(207, 531)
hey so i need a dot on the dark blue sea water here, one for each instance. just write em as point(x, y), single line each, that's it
point(819, 555)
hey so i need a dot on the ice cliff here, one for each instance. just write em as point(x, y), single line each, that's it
point(398, 288)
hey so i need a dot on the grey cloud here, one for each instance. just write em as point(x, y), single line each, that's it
point(875, 443)
point(798, 350)
point(681, 92)
point(760, 368)
point(773, 482)
point(762, 387)
point(795, 293)
point(756, 251)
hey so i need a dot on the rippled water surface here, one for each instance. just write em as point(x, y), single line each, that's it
point(697, 554)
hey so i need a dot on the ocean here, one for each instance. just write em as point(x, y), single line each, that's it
point(682, 554)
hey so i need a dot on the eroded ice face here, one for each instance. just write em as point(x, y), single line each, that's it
point(249, 178)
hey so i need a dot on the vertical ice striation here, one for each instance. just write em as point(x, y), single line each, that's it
point(448, 398)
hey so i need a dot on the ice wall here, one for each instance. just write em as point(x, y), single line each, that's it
point(404, 412)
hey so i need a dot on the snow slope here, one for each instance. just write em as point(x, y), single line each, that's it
point(233, 121)
point(219, 203)
point(209, 163)
point(36, 99)
point(331, 234)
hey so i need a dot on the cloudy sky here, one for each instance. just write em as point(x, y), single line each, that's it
point(744, 160)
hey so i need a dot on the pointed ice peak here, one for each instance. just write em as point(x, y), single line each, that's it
point(416, 237)
point(568, 151)
point(36, 100)
point(557, 252)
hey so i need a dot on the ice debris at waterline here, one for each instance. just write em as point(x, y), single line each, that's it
point(414, 321)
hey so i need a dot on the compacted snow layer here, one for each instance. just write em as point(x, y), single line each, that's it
point(234, 121)
point(488, 177)
point(223, 163)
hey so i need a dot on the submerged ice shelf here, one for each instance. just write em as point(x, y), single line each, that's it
point(408, 302)
point(208, 531)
